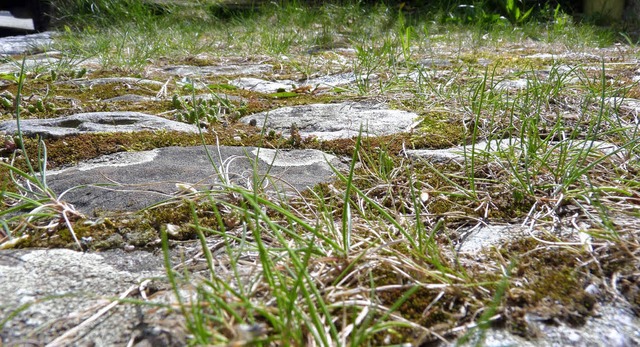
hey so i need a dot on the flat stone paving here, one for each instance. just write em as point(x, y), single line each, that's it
point(13, 45)
point(335, 121)
point(130, 181)
point(95, 122)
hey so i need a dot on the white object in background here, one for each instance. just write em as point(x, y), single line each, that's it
point(7, 20)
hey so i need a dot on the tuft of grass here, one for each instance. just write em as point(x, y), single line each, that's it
point(32, 205)
point(373, 257)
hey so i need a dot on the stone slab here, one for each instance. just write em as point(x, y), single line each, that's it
point(133, 98)
point(458, 154)
point(130, 99)
point(628, 104)
point(496, 149)
point(94, 122)
point(130, 181)
point(12, 45)
point(568, 56)
point(335, 121)
point(613, 325)
point(267, 87)
point(62, 288)
point(113, 80)
point(221, 70)
point(435, 62)
point(486, 236)
point(40, 62)
point(332, 80)
point(213, 97)
point(518, 84)
point(262, 86)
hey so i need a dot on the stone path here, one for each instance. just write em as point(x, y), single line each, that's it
point(131, 180)
point(14, 45)
point(335, 121)
point(96, 122)
point(64, 288)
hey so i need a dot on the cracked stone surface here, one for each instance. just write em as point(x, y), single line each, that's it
point(613, 325)
point(129, 181)
point(94, 122)
point(13, 45)
point(264, 86)
point(335, 121)
point(40, 62)
point(62, 288)
point(220, 70)
point(496, 149)
point(113, 80)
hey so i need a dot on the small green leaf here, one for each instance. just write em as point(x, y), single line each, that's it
point(222, 86)
point(6, 103)
point(81, 73)
point(9, 77)
point(283, 95)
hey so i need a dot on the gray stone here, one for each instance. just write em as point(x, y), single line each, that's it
point(436, 155)
point(496, 149)
point(335, 121)
point(332, 80)
point(113, 80)
point(512, 84)
point(424, 75)
point(130, 98)
point(130, 181)
point(613, 325)
point(262, 86)
point(214, 97)
point(7, 20)
point(567, 56)
point(13, 45)
point(485, 236)
point(41, 62)
point(484, 61)
point(134, 98)
point(94, 122)
point(62, 288)
point(222, 70)
point(458, 154)
point(544, 56)
point(632, 105)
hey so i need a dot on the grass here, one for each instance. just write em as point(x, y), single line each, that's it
point(371, 258)
point(32, 194)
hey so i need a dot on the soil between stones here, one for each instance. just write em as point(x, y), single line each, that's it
point(301, 169)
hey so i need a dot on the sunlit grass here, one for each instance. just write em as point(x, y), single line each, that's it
point(373, 258)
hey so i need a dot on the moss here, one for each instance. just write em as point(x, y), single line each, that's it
point(61, 237)
point(70, 150)
point(545, 281)
point(44, 99)
point(554, 286)
point(141, 230)
point(110, 242)
point(437, 128)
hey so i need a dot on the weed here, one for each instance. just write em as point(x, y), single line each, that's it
point(373, 257)
point(515, 14)
point(44, 209)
